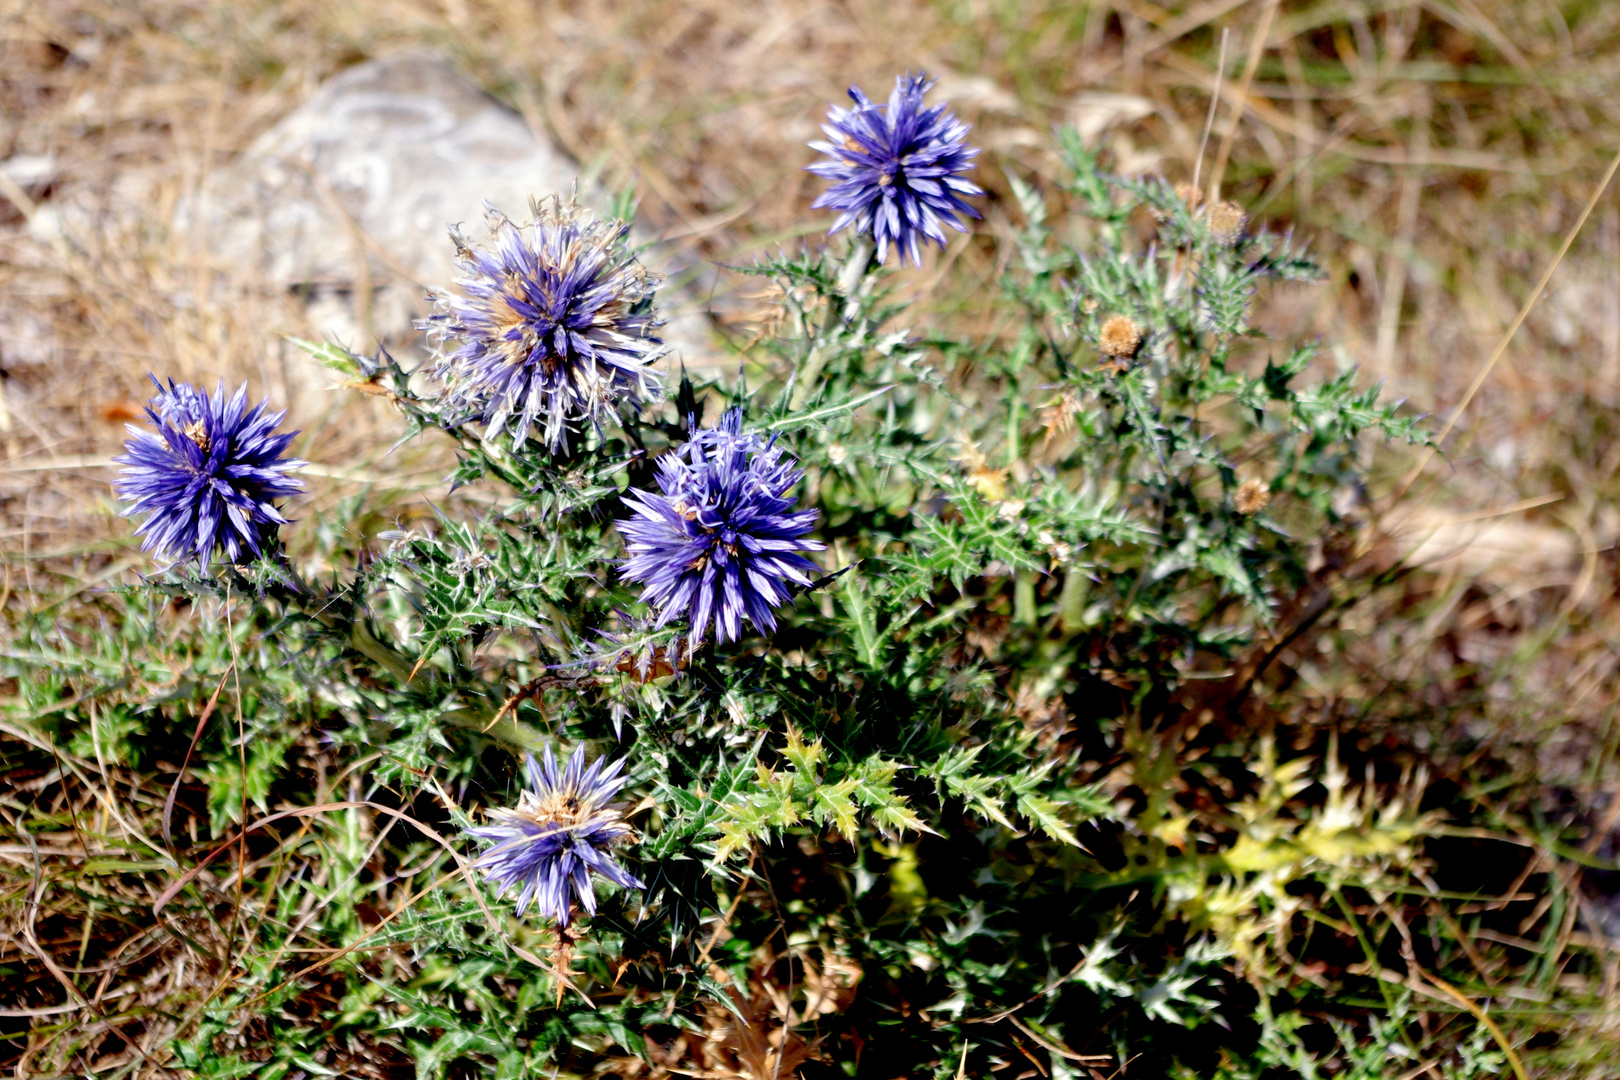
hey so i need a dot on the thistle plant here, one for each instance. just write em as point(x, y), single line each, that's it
point(904, 685)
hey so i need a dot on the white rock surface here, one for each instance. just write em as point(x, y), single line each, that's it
point(29, 170)
point(348, 198)
point(377, 162)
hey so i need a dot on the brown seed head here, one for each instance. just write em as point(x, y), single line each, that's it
point(1226, 222)
point(1189, 195)
point(1120, 338)
point(1057, 416)
point(644, 669)
point(1253, 496)
point(561, 807)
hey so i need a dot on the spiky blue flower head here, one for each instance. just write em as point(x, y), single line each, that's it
point(719, 541)
point(209, 476)
point(552, 327)
point(896, 169)
point(561, 831)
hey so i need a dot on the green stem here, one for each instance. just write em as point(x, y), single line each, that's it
point(850, 275)
point(1072, 601)
point(508, 729)
point(1024, 598)
point(375, 651)
point(477, 716)
point(1373, 966)
point(1014, 408)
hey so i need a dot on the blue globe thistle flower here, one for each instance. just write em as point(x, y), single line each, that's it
point(718, 541)
point(552, 326)
point(896, 168)
point(560, 832)
point(209, 476)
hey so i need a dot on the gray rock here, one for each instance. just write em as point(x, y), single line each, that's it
point(348, 198)
point(30, 171)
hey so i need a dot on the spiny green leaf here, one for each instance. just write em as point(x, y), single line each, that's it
point(1047, 816)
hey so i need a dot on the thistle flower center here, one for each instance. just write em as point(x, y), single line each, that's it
point(197, 432)
point(721, 534)
point(558, 808)
point(528, 334)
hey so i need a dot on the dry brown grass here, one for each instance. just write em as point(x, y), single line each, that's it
point(1433, 149)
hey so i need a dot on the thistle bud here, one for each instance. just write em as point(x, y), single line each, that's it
point(1226, 222)
point(1120, 338)
point(1253, 496)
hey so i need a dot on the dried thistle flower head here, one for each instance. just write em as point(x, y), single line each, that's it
point(1226, 222)
point(1190, 195)
point(1057, 416)
point(1253, 496)
point(988, 482)
point(648, 664)
point(1120, 338)
point(552, 326)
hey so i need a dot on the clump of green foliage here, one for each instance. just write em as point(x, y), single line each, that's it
point(1003, 794)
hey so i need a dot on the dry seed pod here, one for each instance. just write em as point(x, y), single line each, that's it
point(1187, 195)
point(1253, 496)
point(1226, 222)
point(1120, 338)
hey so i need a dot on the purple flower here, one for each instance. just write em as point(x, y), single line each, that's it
point(718, 542)
point(896, 168)
point(561, 831)
point(552, 327)
point(209, 476)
